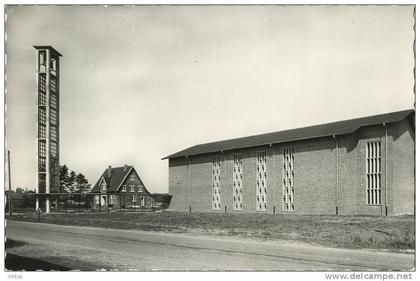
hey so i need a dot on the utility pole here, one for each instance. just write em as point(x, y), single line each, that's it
point(10, 183)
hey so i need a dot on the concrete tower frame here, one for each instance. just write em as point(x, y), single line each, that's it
point(48, 123)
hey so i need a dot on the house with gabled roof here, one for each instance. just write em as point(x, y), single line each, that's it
point(121, 188)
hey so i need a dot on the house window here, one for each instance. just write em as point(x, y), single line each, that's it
point(103, 186)
point(373, 173)
point(132, 177)
point(124, 188)
point(288, 179)
point(261, 185)
point(97, 199)
point(216, 184)
point(237, 183)
point(140, 189)
point(132, 188)
point(112, 199)
point(134, 198)
point(142, 201)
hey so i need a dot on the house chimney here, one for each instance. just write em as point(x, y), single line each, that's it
point(109, 171)
point(125, 168)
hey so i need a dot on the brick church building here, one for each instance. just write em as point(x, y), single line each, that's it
point(361, 166)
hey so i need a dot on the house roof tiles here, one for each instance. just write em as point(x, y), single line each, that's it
point(118, 174)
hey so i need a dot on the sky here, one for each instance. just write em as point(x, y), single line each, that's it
point(141, 82)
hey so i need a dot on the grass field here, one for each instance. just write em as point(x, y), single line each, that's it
point(389, 233)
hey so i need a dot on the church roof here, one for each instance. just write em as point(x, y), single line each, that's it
point(316, 131)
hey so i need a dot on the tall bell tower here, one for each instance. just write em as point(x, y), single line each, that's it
point(48, 80)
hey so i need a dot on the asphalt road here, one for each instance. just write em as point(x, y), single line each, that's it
point(89, 248)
